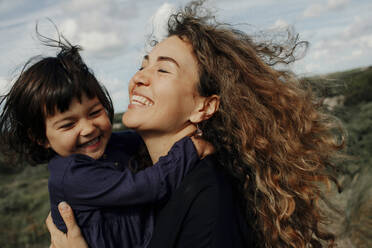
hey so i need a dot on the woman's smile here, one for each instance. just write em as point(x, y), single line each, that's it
point(140, 100)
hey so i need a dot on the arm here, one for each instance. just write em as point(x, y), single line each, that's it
point(88, 183)
point(74, 238)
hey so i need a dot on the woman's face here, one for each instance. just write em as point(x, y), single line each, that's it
point(163, 92)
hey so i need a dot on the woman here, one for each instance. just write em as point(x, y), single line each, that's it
point(272, 143)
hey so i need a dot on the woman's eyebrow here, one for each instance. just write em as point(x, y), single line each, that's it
point(163, 58)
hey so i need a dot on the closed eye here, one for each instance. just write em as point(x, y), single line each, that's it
point(66, 125)
point(95, 113)
point(163, 71)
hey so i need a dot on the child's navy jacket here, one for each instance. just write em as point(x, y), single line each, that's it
point(112, 205)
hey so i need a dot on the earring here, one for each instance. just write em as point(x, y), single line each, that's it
point(198, 132)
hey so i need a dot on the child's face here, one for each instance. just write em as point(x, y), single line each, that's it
point(84, 129)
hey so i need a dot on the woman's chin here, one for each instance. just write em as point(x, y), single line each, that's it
point(127, 120)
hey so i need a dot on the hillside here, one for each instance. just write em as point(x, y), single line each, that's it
point(24, 200)
point(351, 211)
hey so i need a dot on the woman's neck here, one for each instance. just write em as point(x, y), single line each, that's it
point(159, 144)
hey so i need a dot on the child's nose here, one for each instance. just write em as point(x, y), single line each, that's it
point(87, 128)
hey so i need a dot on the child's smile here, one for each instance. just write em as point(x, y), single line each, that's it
point(91, 143)
point(84, 128)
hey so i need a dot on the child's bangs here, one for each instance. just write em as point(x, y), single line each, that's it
point(65, 89)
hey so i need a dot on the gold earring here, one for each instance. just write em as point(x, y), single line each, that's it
point(198, 132)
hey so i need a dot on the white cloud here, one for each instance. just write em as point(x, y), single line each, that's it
point(100, 27)
point(359, 35)
point(8, 6)
point(118, 91)
point(317, 9)
point(69, 28)
point(280, 24)
point(340, 49)
point(366, 40)
point(359, 27)
point(113, 32)
point(4, 86)
point(117, 87)
point(159, 20)
point(97, 42)
point(337, 4)
point(121, 100)
point(357, 53)
point(313, 10)
point(321, 53)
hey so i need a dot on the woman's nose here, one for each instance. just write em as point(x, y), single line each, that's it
point(141, 77)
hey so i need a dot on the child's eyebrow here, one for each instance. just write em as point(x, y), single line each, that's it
point(68, 118)
point(95, 105)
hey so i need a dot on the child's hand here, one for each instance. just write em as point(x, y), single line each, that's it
point(204, 148)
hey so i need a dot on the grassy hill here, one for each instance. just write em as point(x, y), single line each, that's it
point(24, 202)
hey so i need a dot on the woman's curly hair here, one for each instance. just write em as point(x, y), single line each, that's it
point(269, 131)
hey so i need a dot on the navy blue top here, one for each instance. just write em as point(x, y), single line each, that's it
point(203, 212)
point(112, 205)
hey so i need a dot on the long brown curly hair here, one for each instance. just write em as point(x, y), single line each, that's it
point(269, 131)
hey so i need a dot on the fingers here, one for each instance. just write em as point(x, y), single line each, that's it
point(49, 221)
point(53, 230)
point(69, 219)
point(74, 236)
point(55, 234)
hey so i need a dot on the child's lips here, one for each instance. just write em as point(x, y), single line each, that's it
point(92, 143)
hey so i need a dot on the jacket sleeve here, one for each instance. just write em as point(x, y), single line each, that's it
point(88, 183)
point(128, 140)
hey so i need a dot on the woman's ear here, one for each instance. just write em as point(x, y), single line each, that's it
point(205, 108)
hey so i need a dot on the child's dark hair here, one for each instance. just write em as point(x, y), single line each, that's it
point(44, 86)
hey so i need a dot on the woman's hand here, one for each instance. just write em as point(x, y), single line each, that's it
point(204, 148)
point(73, 238)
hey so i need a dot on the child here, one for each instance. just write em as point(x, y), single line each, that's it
point(57, 111)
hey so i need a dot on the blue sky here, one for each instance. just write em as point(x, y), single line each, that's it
point(113, 32)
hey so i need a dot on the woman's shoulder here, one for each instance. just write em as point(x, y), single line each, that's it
point(199, 211)
point(207, 174)
point(209, 182)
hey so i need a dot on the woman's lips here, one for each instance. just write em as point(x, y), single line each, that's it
point(141, 101)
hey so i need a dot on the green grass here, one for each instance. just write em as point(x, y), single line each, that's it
point(24, 205)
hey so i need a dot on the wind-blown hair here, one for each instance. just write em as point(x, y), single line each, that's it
point(269, 131)
point(44, 86)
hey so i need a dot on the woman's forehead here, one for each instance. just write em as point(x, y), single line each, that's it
point(175, 48)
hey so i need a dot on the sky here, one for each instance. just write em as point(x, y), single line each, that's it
point(113, 33)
